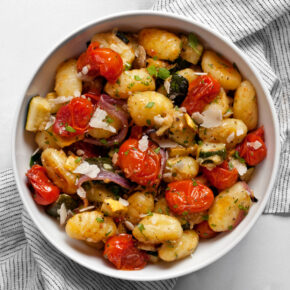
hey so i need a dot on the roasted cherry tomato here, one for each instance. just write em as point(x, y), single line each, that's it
point(253, 148)
point(100, 62)
point(204, 231)
point(188, 196)
point(221, 176)
point(201, 92)
point(122, 252)
point(73, 118)
point(140, 167)
point(93, 97)
point(45, 191)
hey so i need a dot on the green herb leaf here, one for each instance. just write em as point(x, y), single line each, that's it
point(126, 152)
point(107, 233)
point(103, 141)
point(163, 73)
point(155, 57)
point(148, 122)
point(230, 228)
point(193, 42)
point(150, 105)
point(109, 120)
point(141, 227)
point(137, 78)
point(70, 129)
point(205, 217)
point(238, 157)
point(150, 213)
point(99, 220)
point(78, 159)
point(157, 150)
point(152, 70)
point(127, 66)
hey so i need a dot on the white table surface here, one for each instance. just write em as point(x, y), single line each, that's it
point(28, 31)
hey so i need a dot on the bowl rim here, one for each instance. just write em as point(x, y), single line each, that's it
point(228, 42)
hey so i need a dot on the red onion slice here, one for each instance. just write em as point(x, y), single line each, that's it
point(106, 175)
point(107, 104)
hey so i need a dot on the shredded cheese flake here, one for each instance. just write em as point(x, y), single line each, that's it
point(143, 143)
point(240, 132)
point(231, 137)
point(158, 120)
point(91, 170)
point(80, 152)
point(209, 118)
point(241, 167)
point(81, 192)
point(123, 201)
point(61, 99)
point(256, 145)
point(50, 122)
point(97, 121)
point(129, 225)
point(62, 214)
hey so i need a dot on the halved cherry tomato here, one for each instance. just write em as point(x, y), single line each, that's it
point(201, 92)
point(222, 176)
point(204, 231)
point(45, 191)
point(247, 151)
point(188, 196)
point(140, 167)
point(101, 62)
point(122, 252)
point(73, 119)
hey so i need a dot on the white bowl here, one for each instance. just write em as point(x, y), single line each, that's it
point(42, 82)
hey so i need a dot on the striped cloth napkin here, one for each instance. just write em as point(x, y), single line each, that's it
point(261, 29)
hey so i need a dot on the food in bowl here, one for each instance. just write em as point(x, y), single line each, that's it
point(145, 146)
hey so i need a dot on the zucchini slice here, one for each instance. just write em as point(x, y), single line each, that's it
point(211, 154)
point(38, 114)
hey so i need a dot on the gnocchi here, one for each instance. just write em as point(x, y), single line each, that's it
point(143, 146)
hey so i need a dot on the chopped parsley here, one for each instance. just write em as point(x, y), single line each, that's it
point(194, 183)
point(126, 152)
point(150, 213)
point(78, 160)
point(70, 129)
point(150, 105)
point(163, 73)
point(238, 157)
point(193, 42)
point(137, 78)
point(99, 220)
point(141, 228)
point(109, 120)
point(152, 70)
point(103, 141)
point(157, 150)
point(205, 217)
point(148, 122)
point(127, 66)
point(107, 233)
point(155, 57)
point(230, 228)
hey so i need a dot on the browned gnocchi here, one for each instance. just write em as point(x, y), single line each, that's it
point(145, 144)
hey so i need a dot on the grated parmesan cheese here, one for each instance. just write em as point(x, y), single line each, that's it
point(97, 121)
point(143, 143)
point(87, 208)
point(77, 93)
point(91, 170)
point(115, 158)
point(50, 122)
point(123, 201)
point(62, 214)
point(158, 120)
point(129, 225)
point(231, 137)
point(209, 118)
point(241, 167)
point(107, 166)
point(80, 152)
point(240, 132)
point(256, 145)
point(81, 192)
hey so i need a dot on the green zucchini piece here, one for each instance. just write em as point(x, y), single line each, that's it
point(69, 202)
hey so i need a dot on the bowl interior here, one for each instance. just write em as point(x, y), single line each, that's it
point(23, 146)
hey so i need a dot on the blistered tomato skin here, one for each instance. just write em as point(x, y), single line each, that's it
point(122, 252)
point(204, 231)
point(201, 92)
point(188, 196)
point(221, 176)
point(103, 62)
point(140, 167)
point(45, 191)
point(73, 119)
point(247, 151)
